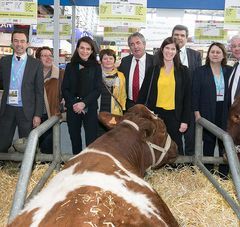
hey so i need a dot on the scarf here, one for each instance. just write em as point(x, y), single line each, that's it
point(110, 78)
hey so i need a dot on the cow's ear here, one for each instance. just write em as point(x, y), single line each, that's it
point(147, 128)
point(236, 118)
point(109, 120)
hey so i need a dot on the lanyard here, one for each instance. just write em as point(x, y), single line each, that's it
point(16, 75)
point(219, 83)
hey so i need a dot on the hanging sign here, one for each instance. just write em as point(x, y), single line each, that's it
point(232, 14)
point(45, 27)
point(18, 12)
point(131, 13)
point(209, 31)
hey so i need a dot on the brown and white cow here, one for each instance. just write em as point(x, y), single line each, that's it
point(103, 186)
point(233, 125)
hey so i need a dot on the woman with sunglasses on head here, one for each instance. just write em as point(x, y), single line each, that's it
point(210, 97)
point(81, 88)
point(52, 76)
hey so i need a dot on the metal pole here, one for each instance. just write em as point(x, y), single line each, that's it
point(56, 32)
point(73, 27)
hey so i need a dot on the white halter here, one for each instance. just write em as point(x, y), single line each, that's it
point(153, 146)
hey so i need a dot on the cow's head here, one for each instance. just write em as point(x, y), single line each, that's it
point(233, 126)
point(152, 131)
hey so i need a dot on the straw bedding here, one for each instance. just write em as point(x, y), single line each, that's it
point(187, 192)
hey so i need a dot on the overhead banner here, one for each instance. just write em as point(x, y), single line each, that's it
point(45, 27)
point(131, 13)
point(232, 14)
point(18, 12)
point(118, 33)
point(209, 31)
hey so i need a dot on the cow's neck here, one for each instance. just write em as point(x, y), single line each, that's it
point(126, 146)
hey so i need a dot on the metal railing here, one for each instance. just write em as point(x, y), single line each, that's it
point(232, 160)
point(27, 163)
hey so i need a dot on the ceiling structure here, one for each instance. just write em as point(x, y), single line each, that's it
point(164, 4)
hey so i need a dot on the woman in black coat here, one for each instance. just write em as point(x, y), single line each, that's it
point(81, 88)
point(166, 90)
point(210, 97)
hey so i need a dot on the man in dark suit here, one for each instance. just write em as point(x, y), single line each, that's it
point(137, 45)
point(192, 59)
point(234, 80)
point(22, 100)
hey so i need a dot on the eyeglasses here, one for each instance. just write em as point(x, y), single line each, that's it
point(47, 56)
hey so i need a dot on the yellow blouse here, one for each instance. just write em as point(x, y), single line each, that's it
point(166, 90)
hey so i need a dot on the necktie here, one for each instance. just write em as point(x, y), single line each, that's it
point(135, 84)
point(231, 83)
point(18, 58)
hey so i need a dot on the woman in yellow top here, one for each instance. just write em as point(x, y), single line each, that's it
point(113, 94)
point(166, 90)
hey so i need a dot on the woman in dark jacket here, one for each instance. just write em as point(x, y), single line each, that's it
point(210, 97)
point(81, 88)
point(166, 90)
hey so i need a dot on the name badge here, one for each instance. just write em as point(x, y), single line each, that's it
point(220, 98)
point(13, 97)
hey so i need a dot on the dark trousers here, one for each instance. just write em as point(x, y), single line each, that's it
point(173, 125)
point(90, 124)
point(13, 117)
point(209, 142)
point(46, 140)
point(189, 137)
point(208, 150)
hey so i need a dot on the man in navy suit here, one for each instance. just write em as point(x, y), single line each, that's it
point(192, 59)
point(22, 100)
point(137, 45)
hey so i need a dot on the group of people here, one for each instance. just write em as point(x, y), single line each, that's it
point(172, 83)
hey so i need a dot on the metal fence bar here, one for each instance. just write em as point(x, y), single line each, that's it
point(224, 193)
point(232, 159)
point(26, 167)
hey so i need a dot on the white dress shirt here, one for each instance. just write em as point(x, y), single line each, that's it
point(183, 56)
point(142, 66)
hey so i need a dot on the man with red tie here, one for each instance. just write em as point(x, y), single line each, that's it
point(234, 82)
point(135, 66)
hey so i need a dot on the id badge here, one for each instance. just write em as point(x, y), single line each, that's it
point(220, 98)
point(13, 97)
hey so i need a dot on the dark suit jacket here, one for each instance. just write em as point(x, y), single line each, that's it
point(125, 69)
point(84, 83)
point(182, 92)
point(194, 59)
point(204, 93)
point(32, 86)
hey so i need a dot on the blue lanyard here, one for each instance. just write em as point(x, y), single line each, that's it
point(15, 75)
point(219, 82)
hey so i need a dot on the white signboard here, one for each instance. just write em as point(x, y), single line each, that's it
point(209, 31)
point(232, 14)
point(131, 13)
point(45, 27)
point(18, 12)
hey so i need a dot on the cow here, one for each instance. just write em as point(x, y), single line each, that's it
point(233, 124)
point(103, 186)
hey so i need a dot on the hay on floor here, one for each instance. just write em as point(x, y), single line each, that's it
point(187, 192)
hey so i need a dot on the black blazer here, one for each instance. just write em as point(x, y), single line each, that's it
point(182, 92)
point(82, 85)
point(125, 69)
point(32, 86)
point(194, 59)
point(204, 93)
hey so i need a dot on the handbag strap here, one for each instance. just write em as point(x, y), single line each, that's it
point(113, 96)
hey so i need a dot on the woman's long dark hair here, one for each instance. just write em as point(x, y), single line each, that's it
point(176, 59)
point(222, 47)
point(76, 58)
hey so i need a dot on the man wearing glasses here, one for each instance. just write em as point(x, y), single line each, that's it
point(22, 101)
